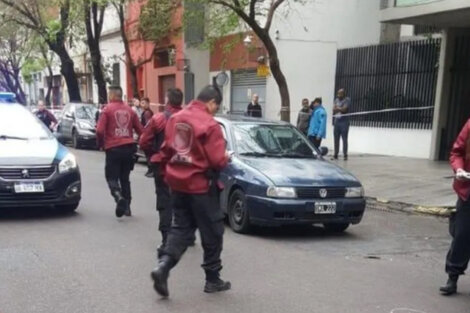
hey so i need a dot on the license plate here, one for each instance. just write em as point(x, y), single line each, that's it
point(325, 207)
point(29, 187)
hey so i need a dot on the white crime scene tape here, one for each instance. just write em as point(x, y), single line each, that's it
point(385, 111)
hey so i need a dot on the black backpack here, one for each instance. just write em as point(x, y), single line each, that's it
point(160, 137)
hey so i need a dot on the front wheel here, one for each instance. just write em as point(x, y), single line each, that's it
point(238, 216)
point(75, 140)
point(336, 227)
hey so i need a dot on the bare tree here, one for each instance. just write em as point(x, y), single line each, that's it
point(28, 14)
point(258, 15)
point(94, 19)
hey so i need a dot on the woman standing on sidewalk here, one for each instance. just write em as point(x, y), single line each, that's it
point(459, 226)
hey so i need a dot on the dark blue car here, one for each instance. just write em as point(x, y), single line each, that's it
point(277, 177)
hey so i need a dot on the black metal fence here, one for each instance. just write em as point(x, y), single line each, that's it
point(390, 76)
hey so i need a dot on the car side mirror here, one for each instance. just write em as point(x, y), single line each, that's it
point(69, 115)
point(323, 151)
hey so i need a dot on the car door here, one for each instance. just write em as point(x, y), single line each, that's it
point(225, 176)
point(68, 119)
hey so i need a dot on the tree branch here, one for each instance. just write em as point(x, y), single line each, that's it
point(272, 10)
point(252, 9)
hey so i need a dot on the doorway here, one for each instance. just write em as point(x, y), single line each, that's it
point(165, 82)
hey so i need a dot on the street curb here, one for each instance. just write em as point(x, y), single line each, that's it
point(386, 205)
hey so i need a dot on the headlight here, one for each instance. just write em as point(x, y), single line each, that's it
point(354, 192)
point(281, 192)
point(83, 125)
point(68, 163)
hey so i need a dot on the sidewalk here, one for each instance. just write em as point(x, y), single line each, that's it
point(413, 184)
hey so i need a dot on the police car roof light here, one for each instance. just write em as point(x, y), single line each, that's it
point(8, 97)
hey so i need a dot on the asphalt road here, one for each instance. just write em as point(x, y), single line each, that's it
point(92, 262)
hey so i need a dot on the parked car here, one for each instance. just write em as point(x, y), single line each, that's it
point(78, 125)
point(35, 169)
point(277, 177)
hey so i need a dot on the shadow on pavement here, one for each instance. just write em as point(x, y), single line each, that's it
point(299, 232)
point(33, 213)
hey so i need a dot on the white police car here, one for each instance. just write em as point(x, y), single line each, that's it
point(35, 169)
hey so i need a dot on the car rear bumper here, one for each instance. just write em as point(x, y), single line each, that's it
point(277, 212)
point(59, 189)
point(87, 138)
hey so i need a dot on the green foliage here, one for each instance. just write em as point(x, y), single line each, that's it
point(53, 28)
point(30, 66)
point(155, 22)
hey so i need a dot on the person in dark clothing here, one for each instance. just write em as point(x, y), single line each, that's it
point(341, 123)
point(303, 118)
point(45, 116)
point(195, 152)
point(145, 118)
point(115, 134)
point(146, 112)
point(254, 108)
point(150, 142)
point(459, 252)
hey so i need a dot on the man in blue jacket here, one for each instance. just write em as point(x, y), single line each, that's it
point(317, 127)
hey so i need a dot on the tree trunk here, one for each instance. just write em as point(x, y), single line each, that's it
point(68, 71)
point(49, 84)
point(277, 73)
point(98, 74)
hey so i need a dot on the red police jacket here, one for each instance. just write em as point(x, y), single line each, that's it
point(116, 125)
point(460, 159)
point(194, 145)
point(156, 125)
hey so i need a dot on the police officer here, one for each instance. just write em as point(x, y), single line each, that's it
point(459, 252)
point(194, 150)
point(115, 135)
point(150, 142)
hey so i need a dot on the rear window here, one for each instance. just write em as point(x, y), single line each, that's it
point(16, 121)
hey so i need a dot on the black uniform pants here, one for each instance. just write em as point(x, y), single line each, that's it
point(119, 164)
point(341, 131)
point(200, 211)
point(459, 252)
point(164, 209)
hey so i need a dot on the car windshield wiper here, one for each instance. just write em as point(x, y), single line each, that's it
point(260, 154)
point(5, 137)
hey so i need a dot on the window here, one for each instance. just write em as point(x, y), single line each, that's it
point(271, 141)
point(164, 58)
point(224, 133)
point(116, 74)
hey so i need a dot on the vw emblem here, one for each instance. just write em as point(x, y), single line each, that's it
point(25, 173)
point(323, 193)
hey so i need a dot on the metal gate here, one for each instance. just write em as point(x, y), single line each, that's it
point(390, 76)
point(459, 98)
point(245, 83)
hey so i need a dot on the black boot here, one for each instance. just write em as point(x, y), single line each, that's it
point(160, 275)
point(451, 286)
point(121, 203)
point(215, 284)
point(128, 212)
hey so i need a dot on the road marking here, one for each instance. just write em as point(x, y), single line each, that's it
point(405, 310)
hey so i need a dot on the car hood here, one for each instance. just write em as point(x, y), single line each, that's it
point(29, 152)
point(302, 172)
point(90, 122)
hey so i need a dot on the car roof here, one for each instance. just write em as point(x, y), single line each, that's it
point(232, 118)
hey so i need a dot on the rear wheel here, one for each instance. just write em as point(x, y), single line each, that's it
point(336, 227)
point(238, 216)
point(75, 141)
point(68, 208)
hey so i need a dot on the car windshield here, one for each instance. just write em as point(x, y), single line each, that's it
point(265, 140)
point(86, 112)
point(17, 123)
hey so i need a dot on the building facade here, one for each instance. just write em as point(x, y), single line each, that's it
point(451, 107)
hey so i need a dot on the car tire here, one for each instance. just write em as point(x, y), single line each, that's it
point(238, 215)
point(68, 208)
point(336, 227)
point(75, 140)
